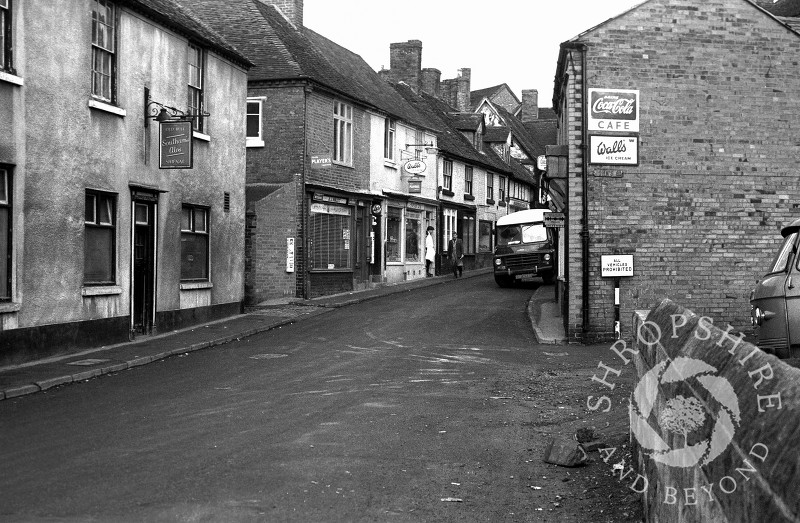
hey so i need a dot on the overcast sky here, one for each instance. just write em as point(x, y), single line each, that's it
point(503, 41)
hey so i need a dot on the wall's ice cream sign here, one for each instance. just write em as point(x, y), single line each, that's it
point(613, 110)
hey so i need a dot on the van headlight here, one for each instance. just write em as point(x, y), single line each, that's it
point(498, 261)
point(758, 316)
point(546, 257)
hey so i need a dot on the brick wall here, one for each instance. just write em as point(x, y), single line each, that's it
point(717, 173)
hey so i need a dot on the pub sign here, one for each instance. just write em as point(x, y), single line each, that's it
point(175, 145)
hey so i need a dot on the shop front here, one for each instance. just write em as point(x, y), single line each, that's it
point(459, 219)
point(406, 225)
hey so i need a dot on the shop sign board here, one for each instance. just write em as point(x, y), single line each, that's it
point(554, 220)
point(320, 161)
point(289, 254)
point(414, 186)
point(613, 110)
point(332, 199)
point(414, 167)
point(175, 145)
point(616, 265)
point(613, 150)
point(324, 208)
point(541, 162)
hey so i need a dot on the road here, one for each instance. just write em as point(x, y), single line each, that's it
point(431, 405)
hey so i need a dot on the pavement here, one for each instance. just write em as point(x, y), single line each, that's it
point(41, 375)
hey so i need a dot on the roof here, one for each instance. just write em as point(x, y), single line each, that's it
point(466, 121)
point(496, 134)
point(780, 8)
point(477, 96)
point(171, 14)
point(282, 52)
point(532, 143)
point(542, 133)
point(526, 216)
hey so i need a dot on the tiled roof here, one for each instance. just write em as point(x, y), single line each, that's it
point(466, 121)
point(780, 8)
point(496, 134)
point(176, 16)
point(449, 139)
point(282, 52)
point(475, 97)
point(522, 136)
point(542, 133)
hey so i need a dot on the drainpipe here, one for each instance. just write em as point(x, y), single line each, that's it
point(585, 196)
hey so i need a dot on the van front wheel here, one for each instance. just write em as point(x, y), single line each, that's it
point(503, 281)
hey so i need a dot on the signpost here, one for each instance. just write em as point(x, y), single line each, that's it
point(554, 220)
point(616, 266)
point(175, 145)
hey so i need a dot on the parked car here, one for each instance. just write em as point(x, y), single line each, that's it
point(775, 301)
point(524, 248)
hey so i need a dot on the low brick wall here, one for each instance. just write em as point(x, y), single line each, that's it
point(750, 470)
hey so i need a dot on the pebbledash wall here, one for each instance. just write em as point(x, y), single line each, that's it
point(717, 174)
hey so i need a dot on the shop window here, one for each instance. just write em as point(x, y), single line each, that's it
point(196, 79)
point(389, 133)
point(342, 133)
point(5, 36)
point(5, 233)
point(254, 122)
point(394, 222)
point(99, 239)
point(194, 243)
point(468, 234)
point(468, 180)
point(330, 236)
point(484, 236)
point(413, 236)
point(489, 186)
point(449, 217)
point(448, 175)
point(103, 50)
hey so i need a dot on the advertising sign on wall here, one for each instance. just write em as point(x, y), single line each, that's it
point(175, 145)
point(613, 110)
point(613, 150)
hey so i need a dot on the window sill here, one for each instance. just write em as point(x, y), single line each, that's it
point(11, 78)
point(389, 163)
point(196, 285)
point(469, 197)
point(446, 192)
point(101, 290)
point(9, 307)
point(323, 271)
point(334, 162)
point(106, 107)
point(200, 136)
point(252, 142)
point(489, 201)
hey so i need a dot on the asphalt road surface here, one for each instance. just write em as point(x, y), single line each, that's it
point(428, 405)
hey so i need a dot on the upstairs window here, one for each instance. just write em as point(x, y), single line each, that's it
point(389, 133)
point(489, 186)
point(99, 239)
point(194, 243)
point(468, 180)
point(448, 175)
point(5, 37)
point(501, 190)
point(419, 138)
point(196, 86)
point(254, 122)
point(103, 50)
point(342, 133)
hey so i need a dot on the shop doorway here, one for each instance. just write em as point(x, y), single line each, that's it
point(143, 263)
point(361, 242)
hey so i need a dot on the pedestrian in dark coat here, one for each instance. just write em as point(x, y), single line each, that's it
point(455, 251)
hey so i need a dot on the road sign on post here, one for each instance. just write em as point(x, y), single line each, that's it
point(616, 266)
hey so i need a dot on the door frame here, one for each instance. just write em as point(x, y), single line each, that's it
point(149, 196)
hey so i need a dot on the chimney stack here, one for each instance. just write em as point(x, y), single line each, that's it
point(405, 63)
point(292, 10)
point(463, 100)
point(430, 81)
point(530, 105)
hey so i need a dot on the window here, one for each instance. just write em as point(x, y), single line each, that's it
point(782, 258)
point(196, 86)
point(484, 236)
point(468, 234)
point(489, 186)
point(342, 133)
point(330, 236)
point(194, 243)
point(419, 138)
point(5, 234)
point(103, 49)
point(5, 37)
point(389, 139)
point(468, 180)
point(448, 175)
point(394, 220)
point(99, 239)
point(501, 190)
point(254, 122)
point(413, 236)
point(449, 216)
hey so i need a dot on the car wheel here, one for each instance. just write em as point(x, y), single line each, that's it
point(502, 281)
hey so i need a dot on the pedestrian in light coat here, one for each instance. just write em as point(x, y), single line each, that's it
point(455, 251)
point(430, 253)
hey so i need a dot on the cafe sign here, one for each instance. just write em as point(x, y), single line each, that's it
point(175, 145)
point(415, 167)
point(613, 110)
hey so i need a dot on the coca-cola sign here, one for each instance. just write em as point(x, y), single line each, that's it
point(614, 110)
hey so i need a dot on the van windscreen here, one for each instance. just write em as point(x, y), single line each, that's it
point(521, 233)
